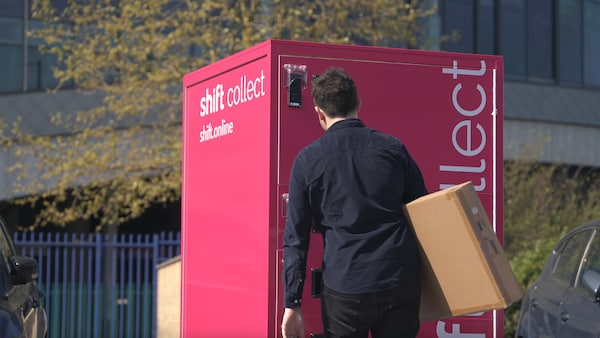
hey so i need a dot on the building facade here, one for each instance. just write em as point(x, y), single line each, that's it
point(551, 50)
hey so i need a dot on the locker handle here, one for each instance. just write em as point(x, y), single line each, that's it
point(316, 276)
point(285, 199)
point(295, 93)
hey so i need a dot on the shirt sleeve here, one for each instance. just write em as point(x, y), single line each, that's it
point(415, 184)
point(296, 237)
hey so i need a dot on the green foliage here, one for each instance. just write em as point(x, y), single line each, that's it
point(541, 203)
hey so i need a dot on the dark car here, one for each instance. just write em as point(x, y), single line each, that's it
point(565, 300)
point(21, 313)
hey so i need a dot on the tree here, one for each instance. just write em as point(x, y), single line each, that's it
point(116, 160)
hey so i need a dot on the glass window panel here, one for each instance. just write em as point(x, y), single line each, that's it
point(59, 4)
point(7, 249)
point(11, 8)
point(458, 16)
point(34, 25)
point(569, 255)
point(590, 268)
point(433, 31)
point(512, 38)
point(569, 42)
point(33, 75)
point(11, 30)
point(486, 22)
point(540, 53)
point(592, 259)
point(591, 42)
point(11, 65)
point(39, 70)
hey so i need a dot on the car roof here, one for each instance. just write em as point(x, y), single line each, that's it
point(588, 225)
point(591, 225)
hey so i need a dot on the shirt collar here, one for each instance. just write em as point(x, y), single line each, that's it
point(346, 123)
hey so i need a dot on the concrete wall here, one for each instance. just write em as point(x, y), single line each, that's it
point(168, 298)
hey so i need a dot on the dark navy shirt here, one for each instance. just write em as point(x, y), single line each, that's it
point(352, 182)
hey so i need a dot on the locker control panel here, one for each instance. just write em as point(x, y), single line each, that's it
point(295, 81)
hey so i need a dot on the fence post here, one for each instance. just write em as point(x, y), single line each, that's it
point(98, 313)
point(155, 253)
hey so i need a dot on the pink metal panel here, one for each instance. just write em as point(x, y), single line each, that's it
point(226, 257)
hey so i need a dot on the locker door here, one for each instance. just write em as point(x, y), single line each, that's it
point(298, 126)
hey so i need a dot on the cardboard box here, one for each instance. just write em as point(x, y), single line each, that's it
point(464, 266)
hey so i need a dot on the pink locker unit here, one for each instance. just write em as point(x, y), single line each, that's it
point(247, 116)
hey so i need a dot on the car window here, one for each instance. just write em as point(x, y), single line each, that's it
point(592, 257)
point(569, 255)
point(6, 248)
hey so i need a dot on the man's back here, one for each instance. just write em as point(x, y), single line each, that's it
point(352, 182)
point(357, 181)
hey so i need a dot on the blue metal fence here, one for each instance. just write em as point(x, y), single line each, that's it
point(98, 285)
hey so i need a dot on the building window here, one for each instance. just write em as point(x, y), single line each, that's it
point(60, 4)
point(40, 66)
point(540, 38)
point(591, 42)
point(39, 70)
point(11, 66)
point(458, 17)
point(11, 53)
point(512, 43)
point(486, 27)
point(12, 8)
point(569, 41)
point(20, 71)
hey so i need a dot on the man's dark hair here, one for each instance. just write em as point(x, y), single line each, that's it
point(334, 91)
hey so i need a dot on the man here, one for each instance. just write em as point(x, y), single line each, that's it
point(353, 182)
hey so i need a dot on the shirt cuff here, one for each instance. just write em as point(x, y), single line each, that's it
point(292, 301)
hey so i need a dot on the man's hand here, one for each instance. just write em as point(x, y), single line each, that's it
point(292, 325)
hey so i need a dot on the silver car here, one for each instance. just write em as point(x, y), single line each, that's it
point(565, 300)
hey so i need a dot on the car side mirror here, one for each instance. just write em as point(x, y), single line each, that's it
point(24, 269)
point(591, 283)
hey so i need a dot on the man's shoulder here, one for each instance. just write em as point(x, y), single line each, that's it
point(312, 150)
point(385, 139)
